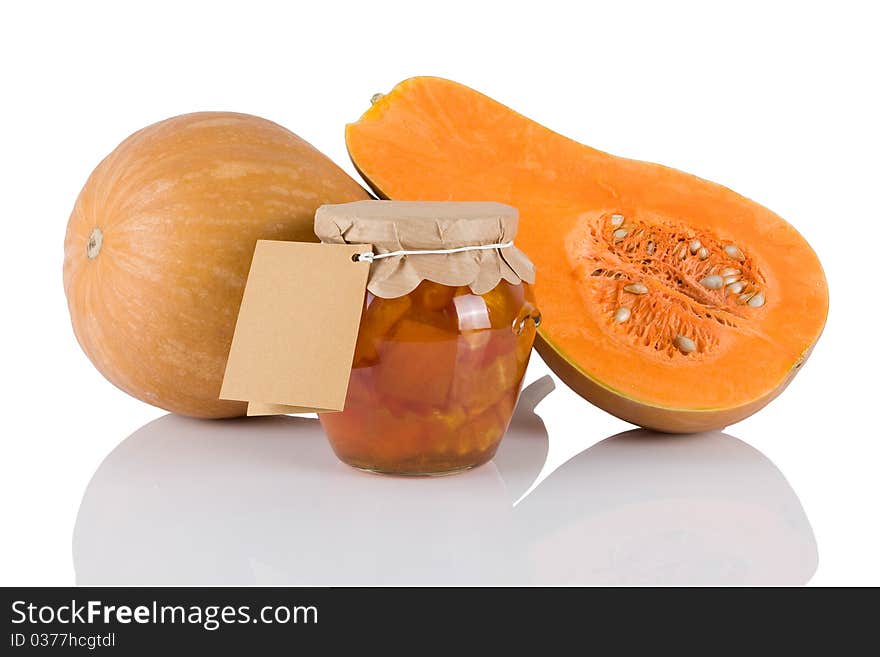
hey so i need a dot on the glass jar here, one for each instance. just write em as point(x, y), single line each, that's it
point(445, 333)
point(435, 378)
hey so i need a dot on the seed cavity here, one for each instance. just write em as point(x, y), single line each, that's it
point(712, 282)
point(694, 283)
point(684, 344)
point(734, 252)
point(636, 288)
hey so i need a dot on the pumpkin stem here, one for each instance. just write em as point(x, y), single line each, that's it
point(93, 248)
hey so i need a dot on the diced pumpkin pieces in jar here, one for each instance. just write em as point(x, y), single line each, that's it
point(380, 316)
point(376, 432)
point(449, 419)
point(417, 364)
point(479, 389)
point(433, 296)
point(504, 303)
point(506, 405)
point(480, 433)
point(501, 344)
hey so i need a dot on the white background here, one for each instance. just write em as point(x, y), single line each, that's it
point(775, 100)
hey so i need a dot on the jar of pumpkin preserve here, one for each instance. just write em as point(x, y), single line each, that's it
point(444, 338)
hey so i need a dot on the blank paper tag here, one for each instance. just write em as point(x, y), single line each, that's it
point(297, 328)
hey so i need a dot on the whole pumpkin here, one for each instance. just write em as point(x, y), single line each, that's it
point(160, 241)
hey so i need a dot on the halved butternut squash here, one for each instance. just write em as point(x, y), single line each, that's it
point(668, 300)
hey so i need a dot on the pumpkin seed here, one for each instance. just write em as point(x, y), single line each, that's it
point(375, 98)
point(730, 271)
point(734, 252)
point(712, 282)
point(736, 287)
point(619, 234)
point(650, 248)
point(685, 345)
point(616, 219)
point(636, 288)
point(730, 279)
point(704, 253)
point(757, 301)
point(696, 245)
point(744, 298)
point(622, 314)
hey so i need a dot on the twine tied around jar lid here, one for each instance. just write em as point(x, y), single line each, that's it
point(369, 256)
point(450, 243)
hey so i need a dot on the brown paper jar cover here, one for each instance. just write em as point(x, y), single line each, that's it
point(429, 225)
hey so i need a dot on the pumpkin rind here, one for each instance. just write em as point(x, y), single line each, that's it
point(180, 206)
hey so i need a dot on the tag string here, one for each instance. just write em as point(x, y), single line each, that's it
point(369, 256)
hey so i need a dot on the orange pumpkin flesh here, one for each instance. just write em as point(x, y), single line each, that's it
point(160, 241)
point(690, 356)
